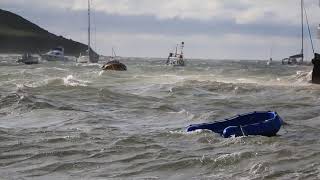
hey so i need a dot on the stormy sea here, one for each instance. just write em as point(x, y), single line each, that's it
point(75, 121)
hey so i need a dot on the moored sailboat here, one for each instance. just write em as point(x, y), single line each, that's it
point(90, 56)
point(298, 59)
point(269, 61)
point(28, 58)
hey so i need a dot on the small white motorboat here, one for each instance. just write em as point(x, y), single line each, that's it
point(55, 54)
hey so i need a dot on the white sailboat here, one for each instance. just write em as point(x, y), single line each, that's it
point(298, 59)
point(176, 59)
point(90, 56)
point(270, 59)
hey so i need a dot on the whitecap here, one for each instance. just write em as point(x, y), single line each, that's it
point(71, 81)
point(259, 168)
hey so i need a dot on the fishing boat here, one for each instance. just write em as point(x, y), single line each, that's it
point(114, 64)
point(298, 59)
point(176, 59)
point(89, 56)
point(55, 54)
point(28, 58)
point(266, 123)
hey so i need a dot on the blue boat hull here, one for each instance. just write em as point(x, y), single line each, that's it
point(256, 123)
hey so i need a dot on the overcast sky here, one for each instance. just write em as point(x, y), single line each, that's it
point(216, 29)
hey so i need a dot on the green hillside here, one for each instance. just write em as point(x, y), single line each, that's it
point(18, 35)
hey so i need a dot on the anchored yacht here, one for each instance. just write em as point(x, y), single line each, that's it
point(55, 54)
point(90, 56)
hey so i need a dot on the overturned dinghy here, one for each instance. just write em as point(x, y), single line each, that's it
point(114, 66)
point(256, 123)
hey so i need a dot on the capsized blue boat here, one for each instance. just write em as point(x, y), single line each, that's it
point(266, 123)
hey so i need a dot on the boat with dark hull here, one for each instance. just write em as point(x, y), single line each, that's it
point(266, 123)
point(114, 66)
point(315, 78)
point(28, 58)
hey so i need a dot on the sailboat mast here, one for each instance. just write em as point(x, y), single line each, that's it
point(182, 46)
point(89, 29)
point(176, 50)
point(319, 25)
point(302, 31)
point(113, 53)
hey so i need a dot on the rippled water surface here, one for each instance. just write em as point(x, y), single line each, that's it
point(69, 121)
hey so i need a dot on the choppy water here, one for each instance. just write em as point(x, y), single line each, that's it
point(69, 121)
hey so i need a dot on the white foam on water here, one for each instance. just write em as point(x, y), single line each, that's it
point(234, 140)
point(71, 81)
point(181, 132)
point(101, 72)
point(303, 76)
point(259, 168)
point(184, 112)
point(232, 158)
point(88, 64)
point(60, 69)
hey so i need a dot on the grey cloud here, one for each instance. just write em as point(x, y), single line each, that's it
point(71, 21)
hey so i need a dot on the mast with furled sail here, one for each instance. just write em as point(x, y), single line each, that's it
point(319, 25)
point(299, 58)
point(89, 31)
point(90, 55)
point(319, 31)
point(302, 30)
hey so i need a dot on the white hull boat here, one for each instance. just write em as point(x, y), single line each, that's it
point(56, 54)
point(176, 59)
point(90, 56)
